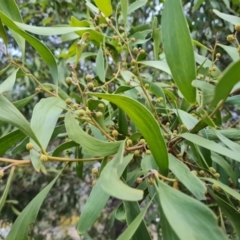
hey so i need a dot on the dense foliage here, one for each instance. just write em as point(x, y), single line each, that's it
point(131, 106)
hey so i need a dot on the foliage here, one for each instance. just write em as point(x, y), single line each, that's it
point(147, 102)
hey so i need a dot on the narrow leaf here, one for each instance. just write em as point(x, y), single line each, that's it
point(175, 205)
point(8, 84)
point(229, 78)
point(160, 65)
point(227, 17)
point(132, 210)
point(6, 189)
point(104, 6)
point(19, 230)
point(89, 144)
point(179, 50)
point(110, 179)
point(7, 141)
point(100, 69)
point(10, 114)
point(189, 180)
point(44, 119)
point(43, 51)
point(136, 5)
point(203, 142)
point(146, 124)
point(130, 230)
point(124, 8)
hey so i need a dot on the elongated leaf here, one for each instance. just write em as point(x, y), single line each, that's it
point(207, 90)
point(62, 147)
point(3, 35)
point(96, 201)
point(224, 187)
point(156, 35)
point(231, 213)
point(89, 144)
point(23, 102)
point(147, 125)
point(93, 207)
point(136, 5)
point(232, 145)
point(229, 18)
point(203, 142)
point(191, 181)
point(6, 189)
point(48, 31)
point(160, 65)
point(7, 141)
point(124, 8)
point(44, 119)
point(8, 84)
point(132, 209)
point(230, 133)
point(227, 81)
point(19, 229)
point(10, 114)
point(175, 205)
point(104, 6)
point(100, 69)
point(10, 9)
point(110, 179)
point(128, 233)
point(232, 51)
point(43, 51)
point(179, 50)
point(225, 165)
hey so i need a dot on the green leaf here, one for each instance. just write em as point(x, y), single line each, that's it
point(231, 133)
point(49, 31)
point(132, 210)
point(156, 35)
point(225, 165)
point(97, 200)
point(60, 148)
point(104, 6)
point(136, 5)
point(110, 179)
point(197, 5)
point(6, 188)
point(3, 35)
point(187, 119)
point(124, 8)
point(19, 230)
point(8, 84)
point(23, 102)
point(100, 69)
point(224, 187)
point(226, 82)
point(198, 222)
point(89, 144)
point(207, 90)
point(188, 179)
point(232, 51)
point(229, 18)
point(179, 50)
point(160, 65)
point(146, 124)
point(230, 212)
point(10, 9)
point(7, 141)
point(10, 114)
point(203, 142)
point(134, 225)
point(44, 118)
point(93, 207)
point(43, 51)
